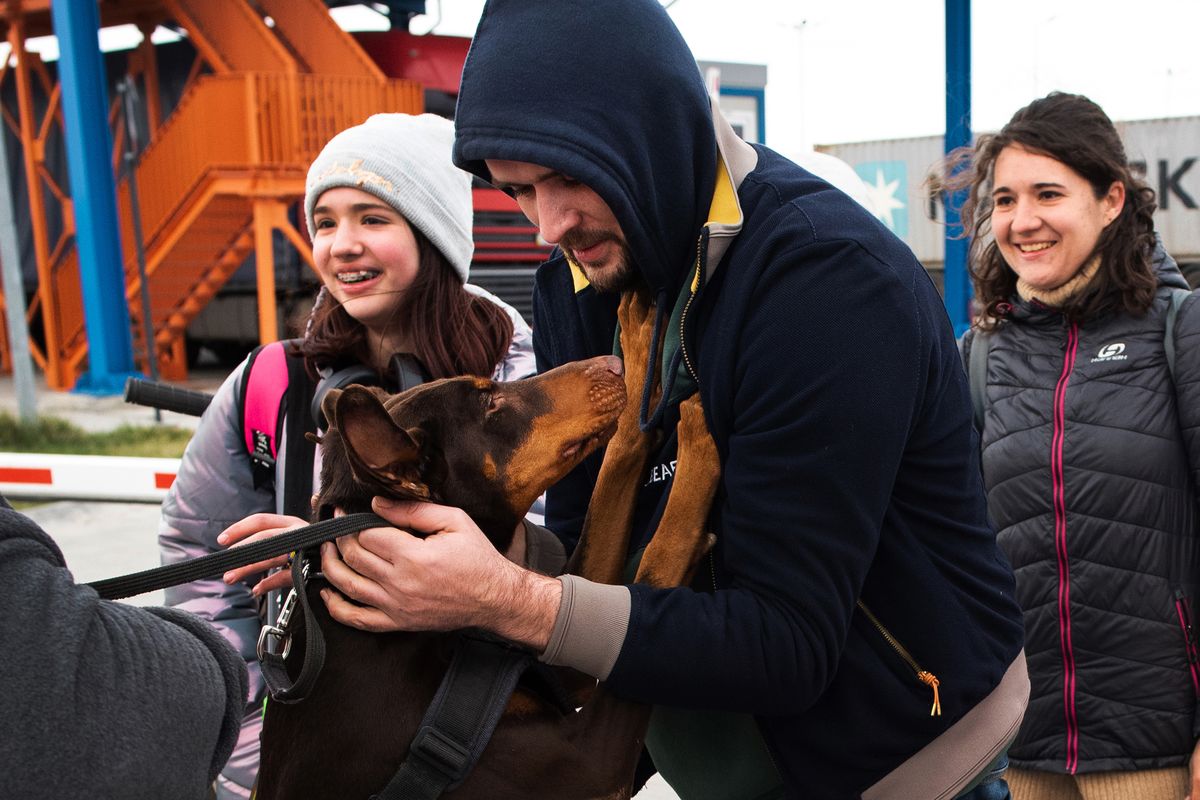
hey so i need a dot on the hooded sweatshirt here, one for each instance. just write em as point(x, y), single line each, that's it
point(831, 384)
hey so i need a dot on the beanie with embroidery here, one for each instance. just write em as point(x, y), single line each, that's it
point(404, 160)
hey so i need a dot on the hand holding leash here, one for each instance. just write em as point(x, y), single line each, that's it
point(256, 528)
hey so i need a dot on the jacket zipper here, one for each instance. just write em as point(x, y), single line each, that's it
point(1184, 609)
point(687, 360)
point(1060, 547)
point(923, 675)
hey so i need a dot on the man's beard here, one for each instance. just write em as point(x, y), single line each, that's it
point(615, 275)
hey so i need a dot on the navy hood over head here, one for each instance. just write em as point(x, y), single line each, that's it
point(620, 71)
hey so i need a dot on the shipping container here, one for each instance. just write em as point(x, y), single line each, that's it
point(1164, 151)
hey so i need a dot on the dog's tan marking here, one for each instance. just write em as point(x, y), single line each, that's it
point(679, 541)
point(602, 549)
point(542, 457)
point(489, 467)
point(523, 704)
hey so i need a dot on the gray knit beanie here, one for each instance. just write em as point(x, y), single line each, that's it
point(404, 160)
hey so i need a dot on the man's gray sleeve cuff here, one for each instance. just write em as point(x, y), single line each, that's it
point(544, 552)
point(590, 627)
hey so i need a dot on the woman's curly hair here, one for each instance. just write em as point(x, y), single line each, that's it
point(1075, 131)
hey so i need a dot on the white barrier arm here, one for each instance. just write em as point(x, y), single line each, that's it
point(37, 476)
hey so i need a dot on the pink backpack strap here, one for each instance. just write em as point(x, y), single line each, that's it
point(263, 389)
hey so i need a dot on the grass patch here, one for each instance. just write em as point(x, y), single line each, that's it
point(25, 505)
point(54, 435)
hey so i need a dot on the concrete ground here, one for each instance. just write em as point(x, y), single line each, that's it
point(102, 540)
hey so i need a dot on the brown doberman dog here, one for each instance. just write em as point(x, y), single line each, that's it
point(490, 449)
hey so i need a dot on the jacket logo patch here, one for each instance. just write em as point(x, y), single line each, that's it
point(1111, 352)
point(661, 472)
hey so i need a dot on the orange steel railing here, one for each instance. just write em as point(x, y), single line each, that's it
point(234, 141)
point(318, 44)
point(218, 175)
point(251, 121)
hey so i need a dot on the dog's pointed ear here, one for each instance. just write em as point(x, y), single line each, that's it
point(379, 450)
point(328, 402)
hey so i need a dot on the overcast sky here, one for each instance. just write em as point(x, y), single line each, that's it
point(858, 70)
point(855, 70)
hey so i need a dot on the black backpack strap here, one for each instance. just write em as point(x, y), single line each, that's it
point(1178, 295)
point(977, 356)
point(301, 450)
point(459, 722)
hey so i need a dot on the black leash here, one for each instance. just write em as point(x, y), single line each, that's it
point(215, 564)
point(275, 641)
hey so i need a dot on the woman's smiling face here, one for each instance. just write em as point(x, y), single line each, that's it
point(1046, 218)
point(365, 253)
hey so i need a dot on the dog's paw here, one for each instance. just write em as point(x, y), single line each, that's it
point(636, 311)
point(636, 315)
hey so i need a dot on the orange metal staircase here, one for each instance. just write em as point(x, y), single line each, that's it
point(220, 175)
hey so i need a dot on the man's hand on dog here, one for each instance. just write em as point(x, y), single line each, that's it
point(452, 578)
point(258, 527)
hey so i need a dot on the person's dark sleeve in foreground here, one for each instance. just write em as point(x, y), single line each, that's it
point(103, 699)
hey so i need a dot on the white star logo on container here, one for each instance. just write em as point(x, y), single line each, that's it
point(883, 198)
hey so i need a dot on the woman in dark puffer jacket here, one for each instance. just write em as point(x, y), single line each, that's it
point(1090, 452)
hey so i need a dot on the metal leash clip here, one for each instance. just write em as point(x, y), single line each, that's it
point(278, 631)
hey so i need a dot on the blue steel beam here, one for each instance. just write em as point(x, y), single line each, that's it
point(93, 194)
point(956, 282)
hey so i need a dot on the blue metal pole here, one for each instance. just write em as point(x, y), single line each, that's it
point(956, 282)
point(93, 194)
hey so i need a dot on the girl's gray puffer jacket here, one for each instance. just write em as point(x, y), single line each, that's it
point(215, 488)
point(1091, 457)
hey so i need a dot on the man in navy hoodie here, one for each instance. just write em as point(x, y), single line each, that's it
point(855, 585)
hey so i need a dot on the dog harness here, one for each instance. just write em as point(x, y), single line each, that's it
point(460, 720)
point(458, 724)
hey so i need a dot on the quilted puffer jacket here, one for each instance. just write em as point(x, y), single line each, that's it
point(1090, 458)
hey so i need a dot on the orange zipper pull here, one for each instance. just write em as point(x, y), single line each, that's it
point(930, 680)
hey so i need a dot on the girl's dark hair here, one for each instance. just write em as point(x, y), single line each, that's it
point(1073, 130)
point(453, 332)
